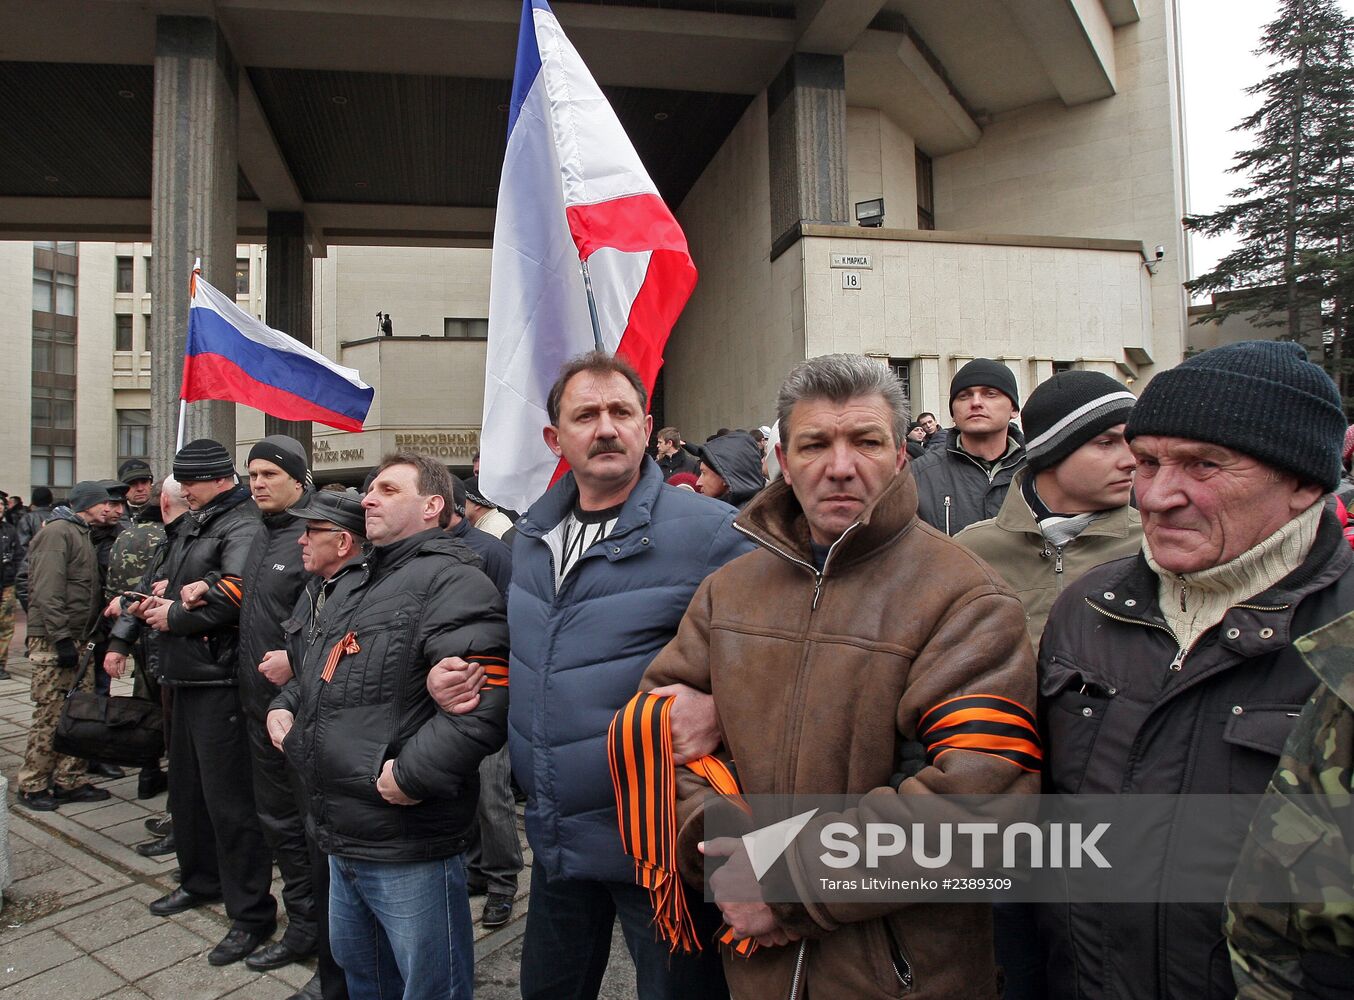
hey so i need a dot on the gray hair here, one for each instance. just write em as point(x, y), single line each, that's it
point(837, 378)
point(170, 489)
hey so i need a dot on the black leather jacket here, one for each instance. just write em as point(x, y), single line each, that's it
point(212, 544)
point(409, 605)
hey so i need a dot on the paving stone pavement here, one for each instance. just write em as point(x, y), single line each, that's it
point(75, 926)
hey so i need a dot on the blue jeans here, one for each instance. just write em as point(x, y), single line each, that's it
point(401, 929)
point(568, 942)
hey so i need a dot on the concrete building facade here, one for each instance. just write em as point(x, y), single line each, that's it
point(76, 392)
point(1028, 155)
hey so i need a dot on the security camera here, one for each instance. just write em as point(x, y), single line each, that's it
point(1161, 251)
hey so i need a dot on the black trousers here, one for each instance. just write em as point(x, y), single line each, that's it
point(277, 799)
point(211, 797)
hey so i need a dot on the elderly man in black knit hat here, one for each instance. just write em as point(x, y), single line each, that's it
point(1174, 671)
point(217, 834)
point(967, 479)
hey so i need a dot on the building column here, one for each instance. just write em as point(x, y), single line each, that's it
point(194, 185)
point(290, 279)
point(806, 118)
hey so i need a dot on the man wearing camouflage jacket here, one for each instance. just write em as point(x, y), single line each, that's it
point(1299, 844)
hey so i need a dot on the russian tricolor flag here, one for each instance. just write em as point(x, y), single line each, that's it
point(232, 356)
point(572, 189)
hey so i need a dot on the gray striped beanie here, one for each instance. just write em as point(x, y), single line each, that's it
point(201, 460)
point(1068, 410)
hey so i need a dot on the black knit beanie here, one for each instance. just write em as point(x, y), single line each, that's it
point(985, 371)
point(285, 452)
point(202, 459)
point(1262, 398)
point(1068, 410)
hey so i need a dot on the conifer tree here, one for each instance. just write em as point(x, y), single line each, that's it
point(1294, 266)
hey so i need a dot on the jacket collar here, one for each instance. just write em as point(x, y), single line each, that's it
point(1131, 592)
point(282, 519)
point(64, 513)
point(559, 500)
point(775, 521)
point(1327, 652)
point(1015, 515)
point(384, 558)
point(222, 502)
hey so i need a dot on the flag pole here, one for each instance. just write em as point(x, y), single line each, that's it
point(592, 305)
point(183, 403)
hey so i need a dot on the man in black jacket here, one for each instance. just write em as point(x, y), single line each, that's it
point(1174, 672)
point(273, 579)
point(672, 454)
point(391, 780)
point(965, 479)
point(216, 828)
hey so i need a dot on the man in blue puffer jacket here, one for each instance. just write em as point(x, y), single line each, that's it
point(604, 566)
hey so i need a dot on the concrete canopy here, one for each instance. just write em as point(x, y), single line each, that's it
point(384, 122)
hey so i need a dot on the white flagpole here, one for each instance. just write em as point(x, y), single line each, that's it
point(183, 403)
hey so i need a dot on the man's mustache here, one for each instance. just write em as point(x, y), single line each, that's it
point(606, 446)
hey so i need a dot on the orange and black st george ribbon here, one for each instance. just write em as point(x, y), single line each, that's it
point(644, 778)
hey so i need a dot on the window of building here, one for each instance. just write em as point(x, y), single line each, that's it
point(145, 334)
point(54, 408)
point(1063, 366)
point(65, 293)
point(42, 290)
point(53, 466)
point(926, 200)
point(241, 276)
point(122, 334)
point(53, 352)
point(133, 434)
point(124, 274)
point(902, 367)
point(465, 329)
point(66, 248)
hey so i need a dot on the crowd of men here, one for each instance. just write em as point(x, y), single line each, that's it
point(1117, 595)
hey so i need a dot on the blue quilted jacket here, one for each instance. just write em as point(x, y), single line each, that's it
point(577, 656)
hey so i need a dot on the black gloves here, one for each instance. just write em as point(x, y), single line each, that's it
point(67, 656)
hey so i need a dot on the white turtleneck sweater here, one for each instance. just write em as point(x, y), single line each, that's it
point(1194, 602)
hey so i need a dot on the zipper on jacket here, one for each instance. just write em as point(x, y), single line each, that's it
point(902, 968)
point(1058, 559)
point(799, 971)
point(817, 575)
point(1177, 664)
point(947, 514)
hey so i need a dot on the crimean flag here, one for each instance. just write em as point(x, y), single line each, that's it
point(573, 189)
point(232, 356)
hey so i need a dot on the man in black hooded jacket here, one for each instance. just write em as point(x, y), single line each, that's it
point(731, 468)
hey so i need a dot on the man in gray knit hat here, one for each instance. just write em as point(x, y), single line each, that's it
point(1174, 671)
point(1067, 510)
